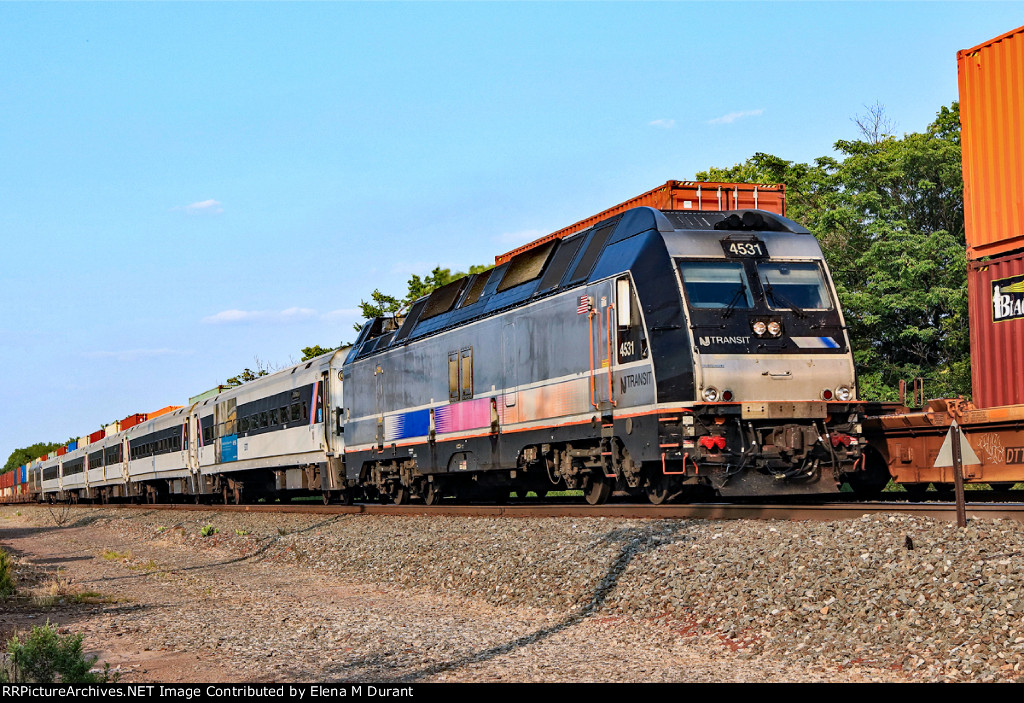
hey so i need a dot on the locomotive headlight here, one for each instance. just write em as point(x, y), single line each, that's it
point(760, 328)
point(710, 394)
point(774, 328)
point(843, 393)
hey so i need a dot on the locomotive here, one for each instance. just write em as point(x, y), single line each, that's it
point(657, 353)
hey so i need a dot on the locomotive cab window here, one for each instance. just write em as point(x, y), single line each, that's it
point(799, 285)
point(715, 284)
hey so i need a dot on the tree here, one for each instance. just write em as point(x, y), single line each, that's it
point(315, 351)
point(889, 216)
point(382, 305)
point(20, 457)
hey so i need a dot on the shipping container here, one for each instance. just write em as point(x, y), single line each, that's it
point(679, 195)
point(83, 441)
point(132, 420)
point(162, 411)
point(72, 446)
point(995, 290)
point(992, 139)
point(61, 451)
point(97, 436)
point(24, 474)
point(207, 394)
point(112, 429)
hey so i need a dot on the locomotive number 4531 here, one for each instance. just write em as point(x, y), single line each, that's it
point(750, 248)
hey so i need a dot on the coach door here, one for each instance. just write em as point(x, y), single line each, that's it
point(193, 429)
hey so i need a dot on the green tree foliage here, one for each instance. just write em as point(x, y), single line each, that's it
point(888, 213)
point(246, 376)
point(382, 304)
point(314, 351)
point(23, 456)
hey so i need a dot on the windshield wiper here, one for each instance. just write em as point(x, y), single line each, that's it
point(736, 298)
point(779, 298)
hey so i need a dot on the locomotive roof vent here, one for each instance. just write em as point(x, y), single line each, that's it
point(758, 221)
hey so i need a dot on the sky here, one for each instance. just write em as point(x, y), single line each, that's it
point(190, 189)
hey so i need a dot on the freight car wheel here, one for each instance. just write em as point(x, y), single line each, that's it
point(597, 489)
point(345, 496)
point(401, 495)
point(327, 497)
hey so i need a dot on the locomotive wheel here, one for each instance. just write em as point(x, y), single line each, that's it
point(433, 496)
point(542, 493)
point(597, 489)
point(657, 490)
point(345, 496)
point(401, 495)
point(915, 491)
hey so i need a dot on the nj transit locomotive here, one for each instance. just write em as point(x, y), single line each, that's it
point(655, 353)
point(652, 353)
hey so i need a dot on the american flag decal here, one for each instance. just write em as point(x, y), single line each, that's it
point(584, 306)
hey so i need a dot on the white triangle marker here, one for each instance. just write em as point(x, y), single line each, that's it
point(945, 457)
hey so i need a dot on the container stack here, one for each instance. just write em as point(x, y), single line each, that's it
point(991, 77)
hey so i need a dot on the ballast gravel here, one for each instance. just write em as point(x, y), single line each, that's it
point(288, 597)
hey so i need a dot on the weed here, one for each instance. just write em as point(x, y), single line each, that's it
point(161, 529)
point(241, 533)
point(46, 656)
point(111, 555)
point(208, 530)
point(6, 575)
point(146, 566)
point(281, 532)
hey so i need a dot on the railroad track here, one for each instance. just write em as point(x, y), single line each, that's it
point(706, 511)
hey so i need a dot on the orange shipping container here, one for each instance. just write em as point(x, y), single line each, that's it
point(162, 411)
point(992, 140)
point(680, 195)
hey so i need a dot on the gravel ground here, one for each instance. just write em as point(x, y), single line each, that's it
point(410, 599)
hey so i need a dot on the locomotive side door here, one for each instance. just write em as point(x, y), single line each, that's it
point(602, 324)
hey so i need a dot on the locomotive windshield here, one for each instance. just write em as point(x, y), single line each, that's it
point(794, 285)
point(716, 284)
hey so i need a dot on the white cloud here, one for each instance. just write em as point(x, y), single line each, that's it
point(733, 116)
point(136, 354)
point(272, 316)
point(663, 123)
point(203, 207)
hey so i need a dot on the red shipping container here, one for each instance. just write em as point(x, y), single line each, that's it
point(133, 420)
point(97, 436)
point(996, 293)
point(61, 451)
point(680, 195)
point(991, 77)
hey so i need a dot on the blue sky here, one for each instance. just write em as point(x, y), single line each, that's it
point(187, 187)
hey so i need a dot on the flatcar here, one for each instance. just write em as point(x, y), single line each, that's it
point(657, 353)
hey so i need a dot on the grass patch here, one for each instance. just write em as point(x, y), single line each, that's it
point(146, 566)
point(208, 530)
point(241, 533)
point(111, 555)
point(7, 586)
